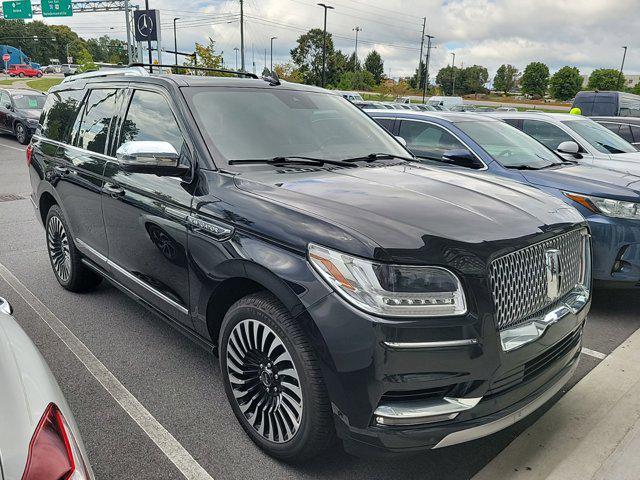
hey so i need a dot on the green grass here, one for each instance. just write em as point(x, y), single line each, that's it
point(7, 82)
point(43, 84)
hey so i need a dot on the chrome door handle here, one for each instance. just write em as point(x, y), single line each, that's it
point(61, 170)
point(114, 190)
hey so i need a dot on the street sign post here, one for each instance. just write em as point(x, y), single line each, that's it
point(5, 58)
point(57, 8)
point(17, 9)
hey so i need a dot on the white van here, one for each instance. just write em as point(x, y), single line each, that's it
point(352, 96)
point(446, 102)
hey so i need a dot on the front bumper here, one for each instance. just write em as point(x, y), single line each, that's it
point(459, 383)
point(616, 251)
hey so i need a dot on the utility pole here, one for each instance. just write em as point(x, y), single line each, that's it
point(424, 26)
point(146, 6)
point(236, 50)
point(426, 68)
point(175, 39)
point(242, 34)
point(126, 20)
point(355, 52)
point(324, 44)
point(265, 59)
point(453, 74)
point(622, 67)
point(272, 39)
point(253, 58)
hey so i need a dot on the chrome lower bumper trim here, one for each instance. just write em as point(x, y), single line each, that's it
point(522, 334)
point(480, 431)
point(442, 344)
point(421, 412)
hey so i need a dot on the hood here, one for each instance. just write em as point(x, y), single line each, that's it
point(31, 114)
point(588, 180)
point(416, 212)
point(621, 162)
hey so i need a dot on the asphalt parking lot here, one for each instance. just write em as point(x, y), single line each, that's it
point(178, 383)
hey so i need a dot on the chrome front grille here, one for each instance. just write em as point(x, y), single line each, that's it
point(520, 280)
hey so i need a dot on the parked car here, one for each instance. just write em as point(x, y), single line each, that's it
point(23, 70)
point(607, 104)
point(625, 127)
point(20, 111)
point(52, 69)
point(352, 96)
point(577, 138)
point(336, 276)
point(462, 108)
point(372, 105)
point(444, 101)
point(424, 108)
point(39, 438)
point(68, 69)
point(609, 200)
point(506, 109)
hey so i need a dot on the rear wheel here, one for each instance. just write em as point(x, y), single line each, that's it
point(39, 74)
point(21, 75)
point(273, 381)
point(65, 258)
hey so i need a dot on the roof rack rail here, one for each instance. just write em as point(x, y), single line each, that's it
point(188, 67)
point(139, 72)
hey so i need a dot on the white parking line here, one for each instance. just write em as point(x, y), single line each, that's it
point(593, 353)
point(12, 147)
point(173, 450)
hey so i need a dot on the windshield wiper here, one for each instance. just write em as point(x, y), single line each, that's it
point(372, 157)
point(294, 159)
point(611, 149)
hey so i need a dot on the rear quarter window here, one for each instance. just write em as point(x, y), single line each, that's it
point(59, 114)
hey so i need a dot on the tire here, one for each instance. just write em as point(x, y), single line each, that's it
point(66, 261)
point(21, 75)
point(39, 75)
point(22, 134)
point(274, 354)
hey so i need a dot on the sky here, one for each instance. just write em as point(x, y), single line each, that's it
point(588, 34)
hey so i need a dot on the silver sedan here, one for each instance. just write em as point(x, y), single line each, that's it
point(39, 439)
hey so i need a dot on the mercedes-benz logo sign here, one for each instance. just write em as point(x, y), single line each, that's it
point(145, 25)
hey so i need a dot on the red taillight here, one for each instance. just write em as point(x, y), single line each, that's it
point(53, 452)
point(29, 153)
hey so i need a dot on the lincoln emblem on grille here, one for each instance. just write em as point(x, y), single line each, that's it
point(552, 262)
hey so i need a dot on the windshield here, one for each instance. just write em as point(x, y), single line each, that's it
point(601, 138)
point(244, 123)
point(25, 102)
point(509, 146)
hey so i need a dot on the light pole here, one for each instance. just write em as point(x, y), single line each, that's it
point(453, 74)
point(236, 50)
point(355, 52)
point(324, 43)
point(175, 38)
point(272, 39)
point(426, 67)
point(622, 67)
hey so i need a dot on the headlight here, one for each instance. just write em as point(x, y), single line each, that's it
point(607, 206)
point(390, 290)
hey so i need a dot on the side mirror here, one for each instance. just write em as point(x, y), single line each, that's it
point(461, 158)
point(159, 158)
point(8, 106)
point(5, 307)
point(402, 141)
point(570, 148)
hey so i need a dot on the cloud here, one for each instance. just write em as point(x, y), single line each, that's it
point(584, 33)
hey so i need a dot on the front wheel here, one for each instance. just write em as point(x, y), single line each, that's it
point(39, 75)
point(21, 133)
point(273, 381)
point(21, 75)
point(65, 258)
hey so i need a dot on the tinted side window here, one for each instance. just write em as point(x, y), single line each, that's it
point(4, 99)
point(546, 133)
point(427, 139)
point(59, 114)
point(150, 118)
point(636, 133)
point(387, 123)
point(625, 132)
point(100, 108)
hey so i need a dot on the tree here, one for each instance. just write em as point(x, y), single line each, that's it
point(337, 64)
point(353, 64)
point(360, 80)
point(108, 50)
point(565, 83)
point(373, 64)
point(535, 79)
point(444, 79)
point(506, 78)
point(85, 60)
point(307, 56)
point(287, 72)
point(606, 79)
point(473, 79)
point(207, 58)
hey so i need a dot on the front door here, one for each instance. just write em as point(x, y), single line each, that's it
point(146, 215)
point(5, 111)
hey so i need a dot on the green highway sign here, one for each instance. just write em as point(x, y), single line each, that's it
point(17, 9)
point(57, 8)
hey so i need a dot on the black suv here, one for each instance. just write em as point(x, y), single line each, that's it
point(348, 289)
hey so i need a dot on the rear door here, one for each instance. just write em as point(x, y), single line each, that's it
point(5, 112)
point(146, 215)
